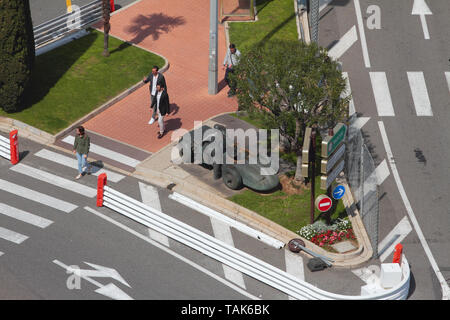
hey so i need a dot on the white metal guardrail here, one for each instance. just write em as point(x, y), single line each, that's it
point(227, 254)
point(5, 148)
point(68, 23)
point(236, 224)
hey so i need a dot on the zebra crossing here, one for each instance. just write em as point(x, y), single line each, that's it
point(29, 203)
point(419, 93)
point(25, 196)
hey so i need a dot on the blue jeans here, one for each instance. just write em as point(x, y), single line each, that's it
point(82, 162)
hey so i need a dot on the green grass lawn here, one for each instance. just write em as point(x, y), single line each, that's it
point(276, 20)
point(72, 80)
point(289, 211)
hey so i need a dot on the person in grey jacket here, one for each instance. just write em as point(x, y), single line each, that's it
point(81, 149)
point(231, 60)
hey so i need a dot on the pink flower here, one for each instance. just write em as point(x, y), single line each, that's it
point(321, 244)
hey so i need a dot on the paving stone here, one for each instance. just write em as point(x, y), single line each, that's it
point(343, 246)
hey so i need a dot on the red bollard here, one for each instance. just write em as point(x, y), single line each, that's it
point(398, 254)
point(101, 183)
point(14, 146)
point(111, 6)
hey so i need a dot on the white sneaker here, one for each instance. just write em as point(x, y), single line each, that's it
point(151, 120)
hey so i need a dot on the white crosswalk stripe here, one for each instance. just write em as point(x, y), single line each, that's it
point(419, 93)
point(447, 77)
point(222, 232)
point(381, 93)
point(113, 155)
point(54, 180)
point(12, 236)
point(72, 163)
point(36, 196)
point(294, 266)
point(24, 216)
point(343, 44)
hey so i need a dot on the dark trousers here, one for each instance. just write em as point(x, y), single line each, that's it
point(228, 81)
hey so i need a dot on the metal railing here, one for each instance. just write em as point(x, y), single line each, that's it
point(68, 23)
point(231, 256)
point(5, 148)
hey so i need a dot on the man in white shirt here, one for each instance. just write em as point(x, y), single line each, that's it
point(154, 78)
point(231, 59)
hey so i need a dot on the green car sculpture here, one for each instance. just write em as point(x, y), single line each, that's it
point(234, 175)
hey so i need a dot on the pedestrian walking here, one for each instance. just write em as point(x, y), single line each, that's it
point(231, 60)
point(160, 106)
point(81, 149)
point(155, 78)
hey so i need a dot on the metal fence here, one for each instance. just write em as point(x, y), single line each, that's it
point(362, 179)
point(68, 23)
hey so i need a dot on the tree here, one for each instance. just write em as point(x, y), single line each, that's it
point(292, 86)
point(106, 10)
point(16, 53)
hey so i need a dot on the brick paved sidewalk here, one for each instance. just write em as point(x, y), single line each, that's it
point(179, 31)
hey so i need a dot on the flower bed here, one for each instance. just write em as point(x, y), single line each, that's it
point(325, 235)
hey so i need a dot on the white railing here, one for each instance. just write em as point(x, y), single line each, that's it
point(5, 148)
point(63, 25)
point(229, 255)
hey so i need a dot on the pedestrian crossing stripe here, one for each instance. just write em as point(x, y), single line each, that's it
point(36, 196)
point(73, 163)
point(55, 180)
point(12, 236)
point(419, 93)
point(24, 216)
point(107, 153)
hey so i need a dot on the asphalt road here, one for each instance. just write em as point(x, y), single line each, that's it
point(45, 10)
point(405, 71)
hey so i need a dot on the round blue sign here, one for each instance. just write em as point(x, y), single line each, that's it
point(338, 192)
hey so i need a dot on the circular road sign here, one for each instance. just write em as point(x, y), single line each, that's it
point(323, 203)
point(338, 192)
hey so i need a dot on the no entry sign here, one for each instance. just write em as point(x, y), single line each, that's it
point(323, 203)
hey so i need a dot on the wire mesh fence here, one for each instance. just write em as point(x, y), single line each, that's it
point(362, 179)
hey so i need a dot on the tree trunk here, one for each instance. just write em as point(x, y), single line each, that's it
point(106, 27)
point(298, 150)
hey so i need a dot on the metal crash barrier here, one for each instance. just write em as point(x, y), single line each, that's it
point(229, 255)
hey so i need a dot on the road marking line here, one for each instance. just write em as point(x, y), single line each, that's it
point(12, 236)
point(362, 34)
point(294, 266)
point(54, 180)
point(176, 255)
point(1, 253)
point(419, 93)
point(222, 232)
point(150, 196)
point(36, 196)
point(157, 236)
point(359, 122)
point(107, 153)
point(343, 44)
point(348, 91)
point(381, 93)
point(24, 216)
point(447, 76)
point(73, 163)
point(323, 4)
point(412, 217)
point(400, 231)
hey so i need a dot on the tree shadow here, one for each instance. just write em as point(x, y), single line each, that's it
point(51, 66)
point(123, 46)
point(261, 4)
point(277, 28)
point(153, 25)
